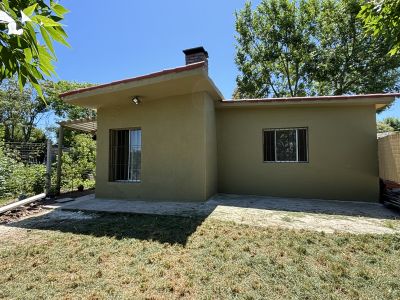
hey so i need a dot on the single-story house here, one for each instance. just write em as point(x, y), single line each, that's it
point(171, 136)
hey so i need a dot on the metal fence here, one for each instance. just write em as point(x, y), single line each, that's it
point(28, 153)
point(30, 168)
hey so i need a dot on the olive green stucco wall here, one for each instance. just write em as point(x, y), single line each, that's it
point(211, 147)
point(192, 150)
point(178, 149)
point(342, 153)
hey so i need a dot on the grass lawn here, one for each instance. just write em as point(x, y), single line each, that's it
point(5, 201)
point(161, 257)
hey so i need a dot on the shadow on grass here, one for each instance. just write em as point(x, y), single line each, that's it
point(164, 229)
point(176, 229)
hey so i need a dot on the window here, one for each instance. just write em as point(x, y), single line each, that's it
point(125, 155)
point(286, 145)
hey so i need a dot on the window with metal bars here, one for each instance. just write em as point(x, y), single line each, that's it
point(286, 145)
point(125, 155)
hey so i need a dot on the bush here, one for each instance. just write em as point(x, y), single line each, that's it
point(17, 178)
point(79, 163)
point(6, 166)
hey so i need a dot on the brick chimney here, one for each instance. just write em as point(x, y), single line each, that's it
point(194, 55)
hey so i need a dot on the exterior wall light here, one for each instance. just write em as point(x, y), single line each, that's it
point(136, 100)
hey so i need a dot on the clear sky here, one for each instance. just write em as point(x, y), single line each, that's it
point(112, 40)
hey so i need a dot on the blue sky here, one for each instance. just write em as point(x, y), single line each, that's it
point(122, 39)
point(111, 41)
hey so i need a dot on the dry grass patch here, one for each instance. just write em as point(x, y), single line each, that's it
point(162, 257)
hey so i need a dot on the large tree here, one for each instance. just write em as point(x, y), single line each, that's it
point(52, 91)
point(23, 24)
point(315, 47)
point(381, 19)
point(20, 111)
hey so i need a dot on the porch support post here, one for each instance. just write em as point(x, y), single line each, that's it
point(48, 167)
point(59, 158)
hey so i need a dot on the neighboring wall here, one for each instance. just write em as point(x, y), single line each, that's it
point(342, 153)
point(178, 160)
point(389, 157)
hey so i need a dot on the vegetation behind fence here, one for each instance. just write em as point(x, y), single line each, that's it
point(23, 173)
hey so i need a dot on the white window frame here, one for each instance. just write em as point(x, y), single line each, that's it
point(297, 148)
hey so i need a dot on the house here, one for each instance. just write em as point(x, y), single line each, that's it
point(171, 136)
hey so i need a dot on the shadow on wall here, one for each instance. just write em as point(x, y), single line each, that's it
point(164, 229)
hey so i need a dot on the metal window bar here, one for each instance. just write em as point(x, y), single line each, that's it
point(296, 145)
point(125, 156)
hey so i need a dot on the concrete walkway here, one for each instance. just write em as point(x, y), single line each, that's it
point(364, 209)
point(319, 215)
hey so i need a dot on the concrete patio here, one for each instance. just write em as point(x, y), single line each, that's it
point(346, 208)
point(315, 214)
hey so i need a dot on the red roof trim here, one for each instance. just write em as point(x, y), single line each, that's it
point(310, 98)
point(151, 75)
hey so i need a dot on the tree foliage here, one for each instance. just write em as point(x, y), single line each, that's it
point(52, 90)
point(381, 19)
point(314, 47)
point(17, 179)
point(389, 124)
point(19, 112)
point(23, 24)
point(80, 162)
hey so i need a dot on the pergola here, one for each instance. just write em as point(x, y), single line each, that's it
point(88, 125)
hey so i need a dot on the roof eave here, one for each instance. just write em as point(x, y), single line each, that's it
point(115, 85)
point(191, 79)
point(380, 101)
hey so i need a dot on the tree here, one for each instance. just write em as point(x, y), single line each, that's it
point(315, 47)
point(275, 48)
point(381, 19)
point(393, 123)
point(79, 162)
point(20, 111)
point(23, 23)
point(383, 127)
point(52, 90)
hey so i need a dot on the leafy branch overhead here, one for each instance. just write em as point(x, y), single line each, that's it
point(381, 19)
point(24, 24)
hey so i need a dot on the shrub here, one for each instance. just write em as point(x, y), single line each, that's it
point(79, 162)
point(17, 178)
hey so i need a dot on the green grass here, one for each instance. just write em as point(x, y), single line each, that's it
point(390, 224)
point(286, 219)
point(5, 201)
point(160, 257)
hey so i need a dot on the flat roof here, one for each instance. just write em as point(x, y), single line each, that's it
point(379, 100)
point(132, 79)
point(187, 79)
point(315, 98)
